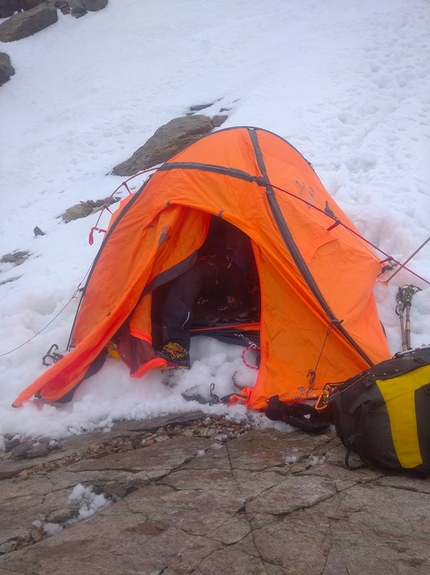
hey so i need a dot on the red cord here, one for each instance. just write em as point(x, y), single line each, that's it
point(252, 346)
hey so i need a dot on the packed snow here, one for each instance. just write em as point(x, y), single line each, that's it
point(347, 83)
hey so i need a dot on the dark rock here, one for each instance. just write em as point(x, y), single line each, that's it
point(167, 141)
point(39, 450)
point(21, 450)
point(78, 12)
point(63, 6)
point(28, 23)
point(218, 120)
point(9, 7)
point(199, 107)
point(29, 4)
point(38, 232)
point(94, 5)
point(11, 444)
point(6, 68)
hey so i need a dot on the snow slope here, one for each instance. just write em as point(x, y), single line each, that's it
point(348, 84)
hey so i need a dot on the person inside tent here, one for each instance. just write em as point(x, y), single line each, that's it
point(223, 264)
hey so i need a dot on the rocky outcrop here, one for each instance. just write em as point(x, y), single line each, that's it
point(167, 141)
point(193, 494)
point(6, 68)
point(28, 23)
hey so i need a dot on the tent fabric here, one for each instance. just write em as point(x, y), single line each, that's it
point(319, 321)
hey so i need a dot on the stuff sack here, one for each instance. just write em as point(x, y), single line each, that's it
point(383, 413)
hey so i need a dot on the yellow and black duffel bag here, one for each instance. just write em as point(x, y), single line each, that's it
point(383, 414)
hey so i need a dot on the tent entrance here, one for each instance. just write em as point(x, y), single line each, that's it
point(232, 318)
point(227, 305)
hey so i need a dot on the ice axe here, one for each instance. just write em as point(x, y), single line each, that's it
point(403, 310)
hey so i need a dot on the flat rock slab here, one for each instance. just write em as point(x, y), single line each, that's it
point(256, 502)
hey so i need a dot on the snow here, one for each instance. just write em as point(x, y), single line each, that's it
point(347, 83)
point(90, 502)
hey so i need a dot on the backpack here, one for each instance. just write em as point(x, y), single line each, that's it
point(383, 414)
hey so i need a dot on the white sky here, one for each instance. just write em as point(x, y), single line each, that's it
point(347, 83)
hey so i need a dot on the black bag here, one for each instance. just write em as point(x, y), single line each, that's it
point(383, 414)
point(300, 415)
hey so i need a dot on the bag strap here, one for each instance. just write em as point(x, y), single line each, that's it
point(360, 424)
point(300, 415)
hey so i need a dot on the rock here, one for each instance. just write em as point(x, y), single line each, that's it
point(6, 68)
point(38, 232)
point(29, 4)
point(39, 450)
point(11, 444)
point(76, 212)
point(84, 209)
point(167, 141)
point(9, 7)
point(218, 120)
point(268, 502)
point(21, 450)
point(28, 23)
point(199, 107)
point(63, 6)
point(78, 11)
point(94, 5)
point(16, 258)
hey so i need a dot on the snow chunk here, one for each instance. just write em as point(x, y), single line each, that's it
point(291, 459)
point(315, 460)
point(78, 492)
point(52, 529)
point(91, 502)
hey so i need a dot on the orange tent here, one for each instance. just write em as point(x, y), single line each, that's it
point(319, 321)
